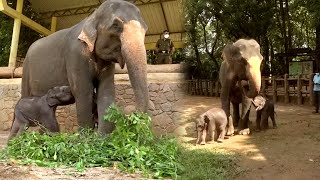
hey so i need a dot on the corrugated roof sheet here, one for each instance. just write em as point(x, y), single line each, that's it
point(158, 16)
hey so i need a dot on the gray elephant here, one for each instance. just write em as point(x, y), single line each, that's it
point(33, 111)
point(84, 56)
point(265, 109)
point(212, 122)
point(240, 79)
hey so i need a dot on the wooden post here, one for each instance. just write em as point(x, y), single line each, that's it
point(263, 84)
point(299, 88)
point(217, 89)
point(311, 89)
point(211, 83)
point(15, 36)
point(200, 87)
point(54, 24)
point(274, 88)
point(286, 89)
point(206, 92)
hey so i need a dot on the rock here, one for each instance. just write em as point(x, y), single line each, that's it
point(166, 88)
point(161, 120)
point(153, 94)
point(129, 91)
point(129, 109)
point(170, 96)
point(154, 87)
point(151, 106)
point(162, 98)
point(176, 117)
point(171, 127)
point(166, 107)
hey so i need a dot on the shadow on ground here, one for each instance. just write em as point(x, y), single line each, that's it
point(289, 152)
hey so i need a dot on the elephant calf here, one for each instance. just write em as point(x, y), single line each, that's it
point(33, 111)
point(265, 109)
point(214, 120)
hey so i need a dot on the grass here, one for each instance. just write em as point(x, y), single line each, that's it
point(206, 164)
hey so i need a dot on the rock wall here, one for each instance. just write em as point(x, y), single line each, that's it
point(165, 91)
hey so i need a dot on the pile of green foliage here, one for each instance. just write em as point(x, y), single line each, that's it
point(130, 147)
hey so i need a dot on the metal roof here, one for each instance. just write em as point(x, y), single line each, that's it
point(158, 14)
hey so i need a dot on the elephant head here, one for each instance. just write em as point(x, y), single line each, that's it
point(59, 95)
point(259, 102)
point(244, 59)
point(201, 127)
point(115, 32)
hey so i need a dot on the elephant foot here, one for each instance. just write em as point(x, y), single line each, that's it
point(275, 127)
point(210, 142)
point(226, 137)
point(244, 131)
point(230, 132)
point(203, 143)
point(257, 129)
point(220, 140)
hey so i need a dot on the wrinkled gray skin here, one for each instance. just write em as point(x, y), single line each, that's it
point(29, 111)
point(211, 122)
point(265, 109)
point(84, 56)
point(240, 78)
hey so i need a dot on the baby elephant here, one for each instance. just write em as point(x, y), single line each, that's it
point(33, 111)
point(214, 120)
point(265, 109)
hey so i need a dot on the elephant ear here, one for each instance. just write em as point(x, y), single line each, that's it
point(206, 119)
point(231, 53)
point(89, 32)
point(51, 99)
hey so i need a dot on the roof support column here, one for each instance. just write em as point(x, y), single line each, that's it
point(15, 36)
point(53, 24)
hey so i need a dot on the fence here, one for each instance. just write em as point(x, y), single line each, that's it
point(290, 89)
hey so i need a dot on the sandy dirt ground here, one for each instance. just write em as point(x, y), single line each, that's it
point(290, 152)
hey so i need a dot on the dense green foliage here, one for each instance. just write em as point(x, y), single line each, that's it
point(130, 147)
point(279, 26)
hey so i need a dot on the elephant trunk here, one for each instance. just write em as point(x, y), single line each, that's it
point(254, 78)
point(134, 54)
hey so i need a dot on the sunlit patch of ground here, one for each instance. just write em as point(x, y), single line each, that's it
point(292, 151)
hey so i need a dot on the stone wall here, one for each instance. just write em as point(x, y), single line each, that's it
point(165, 90)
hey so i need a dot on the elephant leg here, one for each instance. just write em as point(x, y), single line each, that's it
point(81, 83)
point(273, 120)
point(105, 97)
point(244, 120)
point(211, 132)
point(222, 130)
point(48, 120)
point(19, 124)
point(204, 136)
point(264, 119)
point(230, 127)
point(236, 114)
point(258, 121)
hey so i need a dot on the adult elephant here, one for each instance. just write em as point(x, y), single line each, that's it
point(240, 78)
point(84, 56)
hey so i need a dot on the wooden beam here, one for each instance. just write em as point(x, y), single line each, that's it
point(164, 16)
point(53, 24)
point(24, 19)
point(177, 45)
